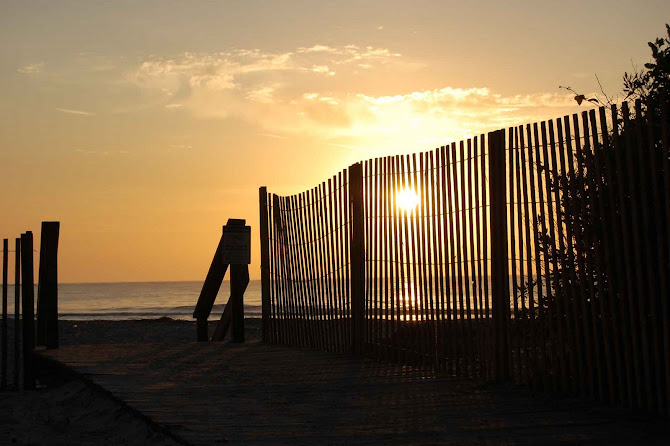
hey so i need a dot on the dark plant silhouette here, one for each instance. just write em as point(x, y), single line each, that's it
point(609, 200)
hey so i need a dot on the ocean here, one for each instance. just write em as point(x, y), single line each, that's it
point(141, 300)
point(147, 300)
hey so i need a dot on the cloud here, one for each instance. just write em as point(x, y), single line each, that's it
point(179, 148)
point(270, 135)
point(251, 82)
point(344, 146)
point(31, 69)
point(75, 112)
point(102, 152)
point(299, 92)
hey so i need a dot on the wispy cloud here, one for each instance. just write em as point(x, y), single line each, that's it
point(270, 135)
point(297, 92)
point(75, 112)
point(31, 69)
point(253, 83)
point(102, 152)
point(344, 146)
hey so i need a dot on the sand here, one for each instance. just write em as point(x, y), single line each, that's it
point(139, 331)
point(66, 411)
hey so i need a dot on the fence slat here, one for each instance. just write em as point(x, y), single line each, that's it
point(531, 349)
point(614, 272)
point(572, 325)
point(499, 245)
point(357, 257)
point(514, 331)
point(438, 257)
point(397, 258)
point(658, 285)
point(602, 257)
point(424, 257)
point(593, 266)
point(273, 273)
point(647, 314)
point(17, 311)
point(614, 170)
point(482, 260)
point(447, 229)
point(265, 263)
point(641, 360)
point(388, 267)
point(5, 343)
point(333, 266)
point(520, 315)
point(665, 307)
point(28, 306)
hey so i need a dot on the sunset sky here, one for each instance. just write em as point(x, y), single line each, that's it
point(144, 126)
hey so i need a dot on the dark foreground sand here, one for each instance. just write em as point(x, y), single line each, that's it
point(140, 331)
point(71, 413)
point(66, 411)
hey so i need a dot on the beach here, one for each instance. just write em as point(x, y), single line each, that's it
point(67, 411)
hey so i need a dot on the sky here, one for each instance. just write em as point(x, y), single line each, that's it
point(143, 126)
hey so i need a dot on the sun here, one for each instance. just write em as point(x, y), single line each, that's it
point(406, 200)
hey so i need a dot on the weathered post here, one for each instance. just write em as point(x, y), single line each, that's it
point(237, 254)
point(239, 279)
point(210, 288)
point(201, 329)
point(357, 257)
point(28, 297)
point(5, 254)
point(47, 286)
point(17, 310)
point(265, 263)
point(499, 259)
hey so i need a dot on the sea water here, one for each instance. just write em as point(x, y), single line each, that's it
point(177, 300)
point(141, 300)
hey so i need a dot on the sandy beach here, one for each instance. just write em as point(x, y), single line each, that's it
point(66, 411)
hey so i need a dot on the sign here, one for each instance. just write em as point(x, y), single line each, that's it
point(236, 245)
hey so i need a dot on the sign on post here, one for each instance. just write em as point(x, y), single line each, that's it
point(236, 245)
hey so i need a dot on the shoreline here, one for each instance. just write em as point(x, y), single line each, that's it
point(162, 329)
point(128, 331)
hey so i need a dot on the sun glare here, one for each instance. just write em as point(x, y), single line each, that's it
point(406, 200)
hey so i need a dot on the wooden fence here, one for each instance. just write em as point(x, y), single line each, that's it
point(538, 254)
point(27, 334)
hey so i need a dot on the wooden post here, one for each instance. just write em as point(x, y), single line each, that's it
point(28, 297)
point(265, 263)
point(357, 258)
point(17, 310)
point(210, 289)
point(201, 329)
point(47, 288)
point(5, 253)
point(499, 260)
point(224, 322)
point(239, 279)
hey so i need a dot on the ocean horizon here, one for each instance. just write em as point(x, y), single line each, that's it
point(151, 300)
point(141, 300)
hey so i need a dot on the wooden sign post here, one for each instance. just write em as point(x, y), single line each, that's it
point(234, 249)
point(237, 254)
